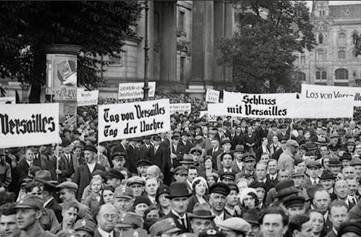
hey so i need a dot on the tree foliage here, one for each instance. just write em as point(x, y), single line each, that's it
point(99, 27)
point(262, 50)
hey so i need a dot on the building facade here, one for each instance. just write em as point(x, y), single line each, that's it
point(332, 61)
point(182, 40)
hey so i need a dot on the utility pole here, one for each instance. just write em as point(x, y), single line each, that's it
point(146, 48)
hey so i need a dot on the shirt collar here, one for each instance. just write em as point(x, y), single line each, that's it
point(177, 215)
point(104, 233)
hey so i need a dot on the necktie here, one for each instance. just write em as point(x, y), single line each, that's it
point(183, 221)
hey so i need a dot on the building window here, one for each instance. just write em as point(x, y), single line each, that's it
point(181, 18)
point(182, 67)
point(303, 59)
point(320, 38)
point(321, 75)
point(341, 54)
point(300, 76)
point(320, 55)
point(324, 75)
point(341, 74)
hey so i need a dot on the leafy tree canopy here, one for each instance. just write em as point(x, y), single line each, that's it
point(98, 27)
point(262, 50)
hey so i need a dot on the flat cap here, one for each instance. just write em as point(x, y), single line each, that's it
point(355, 162)
point(313, 164)
point(142, 199)
point(291, 142)
point(121, 192)
point(294, 201)
point(30, 202)
point(350, 227)
point(248, 157)
point(163, 226)
point(227, 175)
point(225, 141)
point(68, 185)
point(180, 170)
point(239, 148)
point(334, 161)
point(220, 188)
point(235, 224)
point(327, 175)
point(85, 225)
point(130, 219)
point(118, 155)
point(90, 148)
point(144, 163)
point(114, 174)
point(298, 173)
point(135, 180)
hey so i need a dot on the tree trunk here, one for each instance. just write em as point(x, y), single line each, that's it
point(38, 74)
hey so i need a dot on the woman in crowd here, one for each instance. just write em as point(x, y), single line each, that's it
point(107, 194)
point(94, 199)
point(248, 199)
point(200, 188)
point(318, 223)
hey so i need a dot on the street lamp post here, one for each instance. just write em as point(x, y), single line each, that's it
point(146, 48)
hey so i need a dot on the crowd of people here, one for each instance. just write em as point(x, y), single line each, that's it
point(228, 177)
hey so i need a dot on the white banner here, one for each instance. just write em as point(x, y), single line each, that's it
point(119, 121)
point(180, 108)
point(134, 90)
point(285, 105)
point(85, 98)
point(212, 96)
point(7, 100)
point(29, 125)
point(342, 93)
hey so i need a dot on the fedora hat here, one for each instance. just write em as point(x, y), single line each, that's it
point(178, 189)
point(44, 177)
point(201, 211)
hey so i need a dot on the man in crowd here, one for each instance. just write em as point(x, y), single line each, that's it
point(8, 219)
point(28, 214)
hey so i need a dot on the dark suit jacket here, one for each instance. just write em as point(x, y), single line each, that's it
point(22, 171)
point(177, 222)
point(53, 205)
point(66, 167)
point(161, 158)
point(83, 176)
point(215, 162)
point(179, 152)
point(132, 158)
point(271, 183)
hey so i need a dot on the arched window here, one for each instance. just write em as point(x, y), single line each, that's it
point(318, 75)
point(341, 54)
point(324, 75)
point(341, 74)
point(320, 38)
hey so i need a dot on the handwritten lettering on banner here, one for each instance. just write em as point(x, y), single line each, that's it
point(134, 90)
point(7, 100)
point(85, 98)
point(119, 121)
point(28, 124)
point(65, 93)
point(212, 96)
point(180, 108)
point(318, 92)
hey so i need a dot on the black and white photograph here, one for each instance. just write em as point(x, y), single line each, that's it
point(166, 118)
